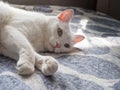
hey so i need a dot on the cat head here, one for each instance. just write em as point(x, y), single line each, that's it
point(59, 36)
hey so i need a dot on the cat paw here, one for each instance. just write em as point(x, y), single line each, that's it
point(49, 65)
point(25, 68)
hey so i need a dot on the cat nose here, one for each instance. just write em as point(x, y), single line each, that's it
point(58, 45)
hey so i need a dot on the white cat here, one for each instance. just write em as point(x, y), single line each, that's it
point(24, 33)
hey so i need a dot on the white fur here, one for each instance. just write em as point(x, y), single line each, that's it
point(24, 33)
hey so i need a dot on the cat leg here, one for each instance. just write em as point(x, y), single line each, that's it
point(46, 64)
point(17, 44)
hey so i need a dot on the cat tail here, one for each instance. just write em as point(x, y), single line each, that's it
point(5, 14)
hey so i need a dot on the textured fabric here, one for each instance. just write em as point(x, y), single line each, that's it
point(95, 67)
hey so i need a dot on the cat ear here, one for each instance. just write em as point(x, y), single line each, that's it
point(66, 15)
point(78, 38)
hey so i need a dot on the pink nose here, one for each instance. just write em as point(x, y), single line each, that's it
point(58, 45)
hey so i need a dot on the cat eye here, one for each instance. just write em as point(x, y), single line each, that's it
point(60, 32)
point(67, 45)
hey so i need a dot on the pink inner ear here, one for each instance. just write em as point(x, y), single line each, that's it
point(66, 15)
point(78, 38)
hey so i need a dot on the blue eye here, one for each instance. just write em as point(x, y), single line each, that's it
point(67, 45)
point(60, 32)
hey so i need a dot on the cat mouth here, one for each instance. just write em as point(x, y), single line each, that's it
point(57, 45)
point(72, 50)
point(54, 47)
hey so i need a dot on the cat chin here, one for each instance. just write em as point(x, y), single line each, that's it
point(51, 49)
point(58, 51)
point(55, 50)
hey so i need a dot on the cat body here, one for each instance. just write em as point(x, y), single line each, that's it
point(23, 34)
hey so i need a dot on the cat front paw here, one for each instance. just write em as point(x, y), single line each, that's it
point(48, 66)
point(25, 68)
